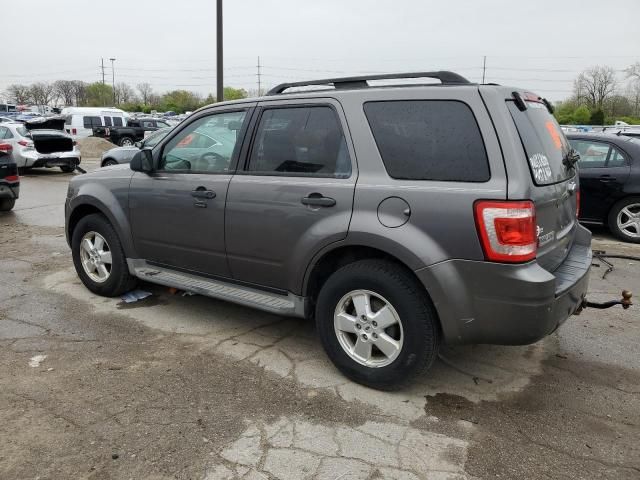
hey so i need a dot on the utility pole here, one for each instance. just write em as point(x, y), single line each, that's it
point(220, 81)
point(484, 67)
point(102, 61)
point(259, 83)
point(113, 81)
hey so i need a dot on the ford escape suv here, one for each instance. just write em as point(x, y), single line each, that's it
point(398, 217)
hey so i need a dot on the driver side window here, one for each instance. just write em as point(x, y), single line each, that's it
point(205, 146)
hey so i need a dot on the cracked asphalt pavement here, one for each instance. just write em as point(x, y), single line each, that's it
point(187, 387)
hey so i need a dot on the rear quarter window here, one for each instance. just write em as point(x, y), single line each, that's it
point(428, 140)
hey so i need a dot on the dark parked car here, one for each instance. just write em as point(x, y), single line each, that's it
point(456, 224)
point(125, 154)
point(135, 131)
point(9, 179)
point(610, 182)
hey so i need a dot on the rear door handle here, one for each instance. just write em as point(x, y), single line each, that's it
point(200, 192)
point(318, 200)
point(606, 178)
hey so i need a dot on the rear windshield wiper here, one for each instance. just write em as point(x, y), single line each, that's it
point(571, 158)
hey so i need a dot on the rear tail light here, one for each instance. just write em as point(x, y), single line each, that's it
point(6, 147)
point(12, 178)
point(25, 143)
point(74, 131)
point(577, 203)
point(507, 230)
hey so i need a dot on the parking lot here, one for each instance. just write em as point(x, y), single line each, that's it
point(193, 388)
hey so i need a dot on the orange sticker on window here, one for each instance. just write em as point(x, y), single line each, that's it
point(186, 140)
point(553, 131)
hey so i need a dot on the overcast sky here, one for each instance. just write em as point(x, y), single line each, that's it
point(538, 44)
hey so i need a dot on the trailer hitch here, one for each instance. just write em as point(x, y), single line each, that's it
point(625, 302)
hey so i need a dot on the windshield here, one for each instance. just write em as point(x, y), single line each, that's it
point(545, 145)
point(154, 138)
point(23, 131)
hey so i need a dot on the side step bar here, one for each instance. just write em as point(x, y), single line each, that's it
point(289, 305)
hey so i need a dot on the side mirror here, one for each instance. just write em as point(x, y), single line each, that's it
point(142, 161)
point(138, 144)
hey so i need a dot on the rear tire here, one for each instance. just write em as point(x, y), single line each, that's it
point(396, 353)
point(68, 168)
point(126, 142)
point(109, 162)
point(118, 280)
point(7, 204)
point(624, 219)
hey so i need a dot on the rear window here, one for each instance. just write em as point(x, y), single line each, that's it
point(90, 122)
point(544, 143)
point(428, 140)
point(23, 131)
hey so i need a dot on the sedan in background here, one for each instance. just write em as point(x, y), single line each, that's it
point(609, 169)
point(119, 155)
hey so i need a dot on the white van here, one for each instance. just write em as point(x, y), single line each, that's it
point(81, 120)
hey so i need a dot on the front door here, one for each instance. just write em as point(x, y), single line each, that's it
point(177, 212)
point(295, 194)
point(603, 171)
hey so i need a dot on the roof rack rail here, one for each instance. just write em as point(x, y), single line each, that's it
point(447, 78)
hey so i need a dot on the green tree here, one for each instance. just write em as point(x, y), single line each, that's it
point(581, 115)
point(231, 93)
point(180, 101)
point(597, 117)
point(99, 94)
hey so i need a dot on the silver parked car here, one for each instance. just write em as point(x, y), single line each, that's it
point(41, 142)
point(125, 154)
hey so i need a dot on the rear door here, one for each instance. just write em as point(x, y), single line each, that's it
point(295, 195)
point(604, 169)
point(555, 182)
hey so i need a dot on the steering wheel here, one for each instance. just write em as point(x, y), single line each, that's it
point(212, 157)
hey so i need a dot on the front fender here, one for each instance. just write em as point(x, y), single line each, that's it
point(113, 204)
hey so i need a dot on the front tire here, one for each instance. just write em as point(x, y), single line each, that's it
point(7, 204)
point(99, 258)
point(109, 162)
point(377, 324)
point(624, 219)
point(68, 168)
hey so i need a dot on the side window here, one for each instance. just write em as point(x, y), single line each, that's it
point(300, 141)
point(148, 124)
point(592, 154)
point(616, 158)
point(90, 122)
point(117, 121)
point(428, 140)
point(107, 121)
point(7, 134)
point(206, 145)
point(3, 132)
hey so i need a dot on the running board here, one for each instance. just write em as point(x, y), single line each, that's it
point(290, 305)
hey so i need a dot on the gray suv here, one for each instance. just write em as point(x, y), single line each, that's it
point(398, 217)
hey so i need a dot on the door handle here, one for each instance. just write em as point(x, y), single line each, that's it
point(200, 192)
point(318, 200)
point(606, 178)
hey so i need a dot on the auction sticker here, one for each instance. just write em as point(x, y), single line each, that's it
point(540, 166)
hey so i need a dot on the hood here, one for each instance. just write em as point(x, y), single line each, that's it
point(45, 123)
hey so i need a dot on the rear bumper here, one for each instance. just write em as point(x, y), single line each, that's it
point(483, 302)
point(57, 159)
point(9, 190)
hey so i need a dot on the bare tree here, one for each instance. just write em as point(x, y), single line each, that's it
point(79, 92)
point(595, 85)
point(634, 71)
point(18, 93)
point(124, 93)
point(42, 93)
point(65, 91)
point(145, 92)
